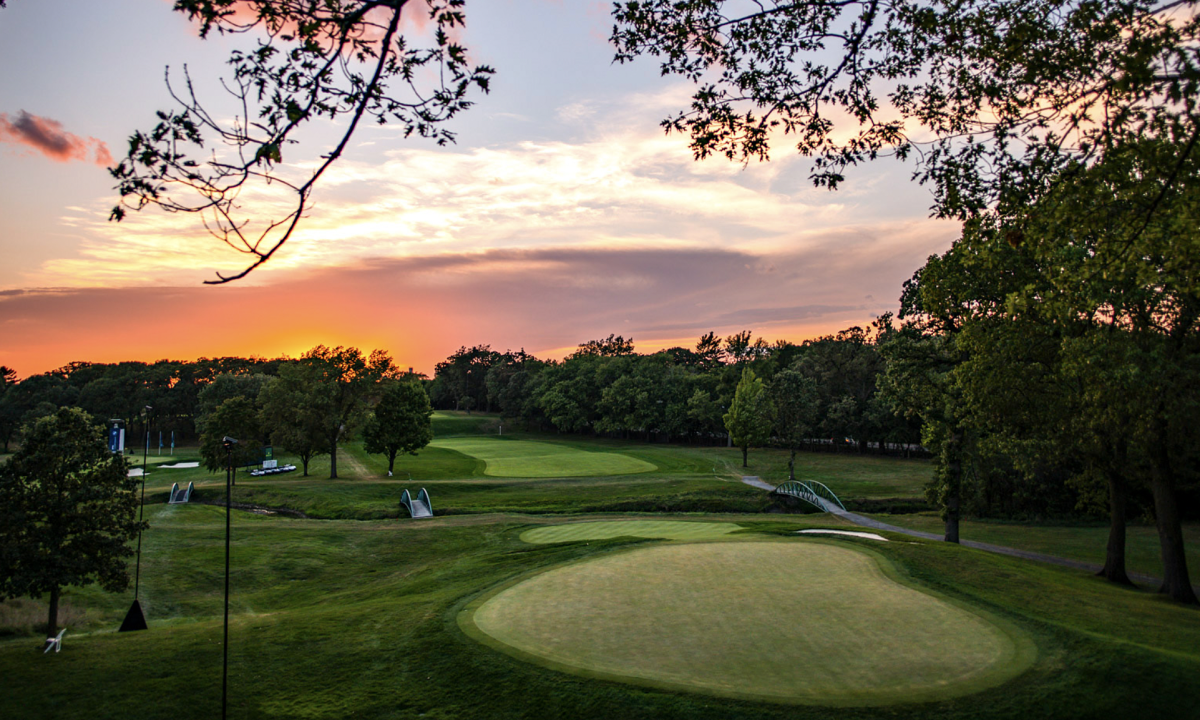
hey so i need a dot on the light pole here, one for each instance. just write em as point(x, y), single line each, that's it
point(135, 619)
point(228, 442)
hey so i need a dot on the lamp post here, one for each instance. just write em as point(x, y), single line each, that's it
point(135, 619)
point(228, 442)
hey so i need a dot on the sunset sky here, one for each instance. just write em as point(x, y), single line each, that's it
point(562, 214)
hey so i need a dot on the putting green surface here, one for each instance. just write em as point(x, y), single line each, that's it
point(530, 459)
point(806, 622)
point(658, 529)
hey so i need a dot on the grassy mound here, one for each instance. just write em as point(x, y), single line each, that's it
point(654, 529)
point(789, 621)
point(532, 459)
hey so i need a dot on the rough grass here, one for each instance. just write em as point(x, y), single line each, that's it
point(650, 529)
point(333, 619)
point(708, 617)
point(1085, 542)
point(506, 457)
point(353, 616)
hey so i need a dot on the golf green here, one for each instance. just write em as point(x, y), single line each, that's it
point(657, 529)
point(531, 459)
point(803, 622)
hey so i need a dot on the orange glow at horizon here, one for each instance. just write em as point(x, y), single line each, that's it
point(421, 310)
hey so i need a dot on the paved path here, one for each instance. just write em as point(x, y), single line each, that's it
point(987, 547)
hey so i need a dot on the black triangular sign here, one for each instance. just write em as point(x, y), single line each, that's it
point(134, 619)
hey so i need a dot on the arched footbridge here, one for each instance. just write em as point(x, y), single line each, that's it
point(812, 492)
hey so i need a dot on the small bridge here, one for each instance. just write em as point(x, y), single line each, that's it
point(180, 495)
point(418, 507)
point(813, 493)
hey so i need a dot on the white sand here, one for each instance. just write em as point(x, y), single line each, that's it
point(867, 535)
point(181, 465)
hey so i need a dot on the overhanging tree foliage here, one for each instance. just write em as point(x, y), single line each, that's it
point(1011, 92)
point(341, 60)
point(67, 512)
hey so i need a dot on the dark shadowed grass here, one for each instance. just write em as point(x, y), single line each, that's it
point(1081, 541)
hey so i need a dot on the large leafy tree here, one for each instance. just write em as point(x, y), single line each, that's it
point(343, 380)
point(292, 412)
point(844, 367)
point(461, 379)
point(401, 421)
point(750, 417)
point(342, 61)
point(238, 418)
point(795, 398)
point(1132, 279)
point(67, 511)
point(1008, 93)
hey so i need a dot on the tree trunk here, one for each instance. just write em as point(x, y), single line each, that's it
point(1114, 557)
point(304, 461)
point(333, 444)
point(792, 466)
point(391, 462)
point(745, 449)
point(1176, 583)
point(953, 486)
point(52, 622)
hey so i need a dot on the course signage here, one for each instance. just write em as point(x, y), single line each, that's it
point(116, 438)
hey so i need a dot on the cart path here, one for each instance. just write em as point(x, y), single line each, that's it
point(352, 464)
point(864, 521)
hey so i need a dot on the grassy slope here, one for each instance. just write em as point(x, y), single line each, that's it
point(333, 618)
point(607, 530)
point(339, 618)
point(1082, 541)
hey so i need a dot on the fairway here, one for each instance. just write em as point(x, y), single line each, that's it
point(654, 529)
point(531, 459)
point(806, 622)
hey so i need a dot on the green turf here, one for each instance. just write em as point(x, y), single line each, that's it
point(511, 458)
point(791, 621)
point(335, 619)
point(355, 614)
point(1085, 542)
point(653, 529)
point(447, 423)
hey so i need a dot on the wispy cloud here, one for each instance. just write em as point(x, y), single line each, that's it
point(621, 188)
point(48, 137)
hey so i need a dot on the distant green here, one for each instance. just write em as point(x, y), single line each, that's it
point(527, 458)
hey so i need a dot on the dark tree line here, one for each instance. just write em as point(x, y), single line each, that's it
point(682, 394)
point(122, 391)
point(307, 406)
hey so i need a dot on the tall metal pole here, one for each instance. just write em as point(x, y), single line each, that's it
point(229, 443)
point(137, 574)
